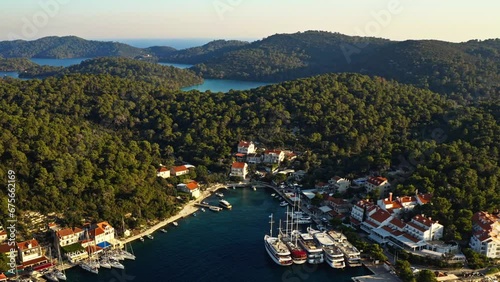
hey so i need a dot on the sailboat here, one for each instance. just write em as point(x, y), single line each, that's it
point(89, 264)
point(59, 273)
point(50, 275)
point(276, 249)
point(299, 256)
point(125, 252)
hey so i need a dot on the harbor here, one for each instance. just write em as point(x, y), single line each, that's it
point(216, 256)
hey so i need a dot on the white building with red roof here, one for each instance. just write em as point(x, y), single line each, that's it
point(246, 147)
point(274, 156)
point(405, 203)
point(486, 237)
point(69, 236)
point(377, 183)
point(339, 184)
point(239, 169)
point(379, 218)
point(179, 170)
point(163, 172)
point(102, 232)
point(361, 210)
point(254, 158)
point(424, 228)
point(30, 253)
point(191, 187)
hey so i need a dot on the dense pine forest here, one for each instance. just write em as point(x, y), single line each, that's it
point(122, 67)
point(88, 145)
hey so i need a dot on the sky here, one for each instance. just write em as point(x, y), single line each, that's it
point(449, 20)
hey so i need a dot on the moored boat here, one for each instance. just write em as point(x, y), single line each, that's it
point(51, 276)
point(284, 204)
point(216, 209)
point(219, 195)
point(60, 274)
point(175, 223)
point(150, 236)
point(351, 254)
point(89, 267)
point(104, 262)
point(333, 255)
point(141, 239)
point(276, 249)
point(163, 230)
point(225, 204)
point(203, 210)
point(116, 264)
point(314, 252)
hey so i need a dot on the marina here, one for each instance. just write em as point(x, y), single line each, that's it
point(250, 259)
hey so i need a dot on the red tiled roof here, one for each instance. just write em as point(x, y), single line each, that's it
point(408, 236)
point(355, 221)
point(380, 216)
point(407, 199)
point(371, 223)
point(64, 232)
point(25, 245)
point(338, 201)
point(239, 155)
point(425, 198)
point(192, 185)
point(482, 235)
point(418, 227)
point(244, 144)
point(239, 165)
point(96, 232)
point(277, 152)
point(35, 261)
point(376, 180)
point(388, 229)
point(398, 223)
point(180, 168)
point(336, 178)
point(484, 220)
point(162, 169)
point(423, 220)
point(3, 277)
point(397, 233)
point(5, 248)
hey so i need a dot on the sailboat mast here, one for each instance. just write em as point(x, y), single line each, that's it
point(271, 230)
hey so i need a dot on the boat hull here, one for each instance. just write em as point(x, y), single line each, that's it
point(279, 260)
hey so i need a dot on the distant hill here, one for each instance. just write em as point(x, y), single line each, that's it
point(463, 70)
point(202, 53)
point(66, 47)
point(15, 64)
point(167, 76)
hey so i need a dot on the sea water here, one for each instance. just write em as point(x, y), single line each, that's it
point(217, 246)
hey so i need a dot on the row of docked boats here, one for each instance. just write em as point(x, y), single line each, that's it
point(313, 246)
point(110, 259)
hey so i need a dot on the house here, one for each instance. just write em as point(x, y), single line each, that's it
point(273, 156)
point(339, 184)
point(3, 277)
point(424, 228)
point(192, 188)
point(246, 147)
point(3, 236)
point(378, 183)
point(486, 237)
point(340, 206)
point(240, 157)
point(69, 236)
point(254, 158)
point(30, 253)
point(239, 169)
point(163, 172)
point(102, 232)
point(179, 170)
point(379, 218)
point(359, 211)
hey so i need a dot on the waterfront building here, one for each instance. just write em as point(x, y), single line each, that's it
point(163, 172)
point(69, 236)
point(239, 169)
point(246, 147)
point(486, 237)
point(192, 188)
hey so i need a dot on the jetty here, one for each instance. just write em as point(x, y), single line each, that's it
point(208, 206)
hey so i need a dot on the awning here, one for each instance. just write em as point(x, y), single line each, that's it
point(325, 209)
point(104, 245)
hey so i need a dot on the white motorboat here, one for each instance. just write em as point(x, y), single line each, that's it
point(284, 204)
point(163, 230)
point(150, 236)
point(351, 254)
point(333, 255)
point(104, 262)
point(220, 195)
point(89, 267)
point(116, 264)
point(51, 276)
point(276, 249)
point(225, 204)
point(142, 239)
point(203, 210)
point(175, 223)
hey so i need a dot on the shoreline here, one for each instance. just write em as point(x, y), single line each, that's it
point(188, 209)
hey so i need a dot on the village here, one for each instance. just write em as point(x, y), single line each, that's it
point(377, 220)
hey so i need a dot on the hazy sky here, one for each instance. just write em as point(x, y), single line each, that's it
point(451, 20)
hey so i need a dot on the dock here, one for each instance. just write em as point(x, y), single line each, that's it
point(208, 206)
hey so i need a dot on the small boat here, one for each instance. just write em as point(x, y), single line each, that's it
point(127, 255)
point(273, 194)
point(51, 276)
point(150, 236)
point(219, 195)
point(283, 204)
point(163, 230)
point(194, 214)
point(254, 188)
point(89, 267)
point(116, 264)
point(203, 210)
point(225, 204)
point(105, 263)
point(277, 196)
point(142, 239)
point(205, 203)
point(216, 209)
point(234, 187)
point(175, 223)
point(60, 274)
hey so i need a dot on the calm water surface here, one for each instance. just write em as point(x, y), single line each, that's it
point(224, 246)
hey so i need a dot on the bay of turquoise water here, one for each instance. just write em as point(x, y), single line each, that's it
point(181, 66)
point(58, 62)
point(9, 73)
point(223, 246)
point(224, 85)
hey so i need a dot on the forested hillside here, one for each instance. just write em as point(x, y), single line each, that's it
point(66, 47)
point(15, 64)
point(88, 145)
point(199, 54)
point(122, 67)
